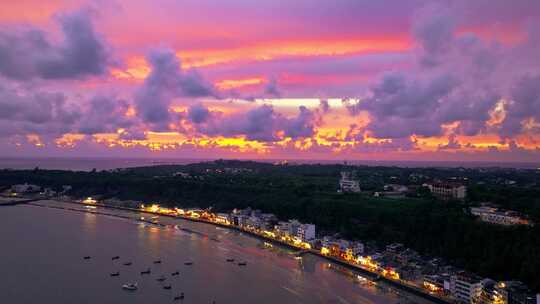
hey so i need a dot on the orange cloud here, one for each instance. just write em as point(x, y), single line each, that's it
point(137, 68)
point(228, 84)
point(277, 49)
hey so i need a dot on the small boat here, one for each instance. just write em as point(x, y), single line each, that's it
point(180, 297)
point(86, 257)
point(230, 260)
point(157, 262)
point(175, 273)
point(130, 286)
point(242, 263)
point(167, 287)
point(188, 263)
point(127, 264)
point(115, 274)
point(147, 271)
point(115, 258)
point(161, 278)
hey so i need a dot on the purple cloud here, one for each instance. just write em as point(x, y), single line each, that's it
point(262, 123)
point(198, 113)
point(40, 112)
point(29, 54)
point(104, 114)
point(166, 82)
point(459, 78)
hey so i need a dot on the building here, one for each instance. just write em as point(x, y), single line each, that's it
point(306, 232)
point(395, 248)
point(222, 218)
point(288, 229)
point(499, 217)
point(487, 294)
point(348, 182)
point(25, 188)
point(254, 222)
point(237, 219)
point(514, 292)
point(465, 287)
point(448, 191)
point(434, 283)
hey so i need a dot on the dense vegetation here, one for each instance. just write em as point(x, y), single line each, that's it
point(308, 193)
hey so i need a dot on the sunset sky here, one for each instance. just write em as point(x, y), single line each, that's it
point(271, 79)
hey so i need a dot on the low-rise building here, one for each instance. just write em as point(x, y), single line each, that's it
point(25, 188)
point(395, 248)
point(499, 217)
point(514, 292)
point(448, 191)
point(434, 283)
point(348, 182)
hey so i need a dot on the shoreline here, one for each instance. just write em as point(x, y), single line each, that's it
point(372, 275)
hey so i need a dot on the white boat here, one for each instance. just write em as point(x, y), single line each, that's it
point(130, 286)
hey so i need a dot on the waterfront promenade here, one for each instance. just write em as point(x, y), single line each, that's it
point(400, 284)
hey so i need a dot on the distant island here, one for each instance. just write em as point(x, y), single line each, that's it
point(481, 220)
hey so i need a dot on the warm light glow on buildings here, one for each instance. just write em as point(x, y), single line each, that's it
point(89, 200)
point(325, 251)
point(431, 287)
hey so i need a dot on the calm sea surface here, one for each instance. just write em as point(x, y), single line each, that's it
point(42, 249)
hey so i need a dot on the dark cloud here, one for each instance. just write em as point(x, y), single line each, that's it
point(261, 124)
point(271, 88)
point(40, 112)
point(26, 54)
point(104, 114)
point(324, 106)
point(301, 126)
point(452, 143)
point(165, 82)
point(525, 104)
point(460, 78)
point(434, 28)
point(401, 106)
point(198, 113)
point(133, 133)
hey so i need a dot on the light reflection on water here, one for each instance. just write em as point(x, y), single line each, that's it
point(273, 274)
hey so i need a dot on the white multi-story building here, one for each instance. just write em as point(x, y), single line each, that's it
point(306, 232)
point(499, 217)
point(289, 228)
point(348, 183)
point(448, 191)
point(465, 287)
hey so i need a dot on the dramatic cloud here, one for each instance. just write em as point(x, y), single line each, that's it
point(262, 123)
point(41, 112)
point(460, 78)
point(26, 54)
point(452, 143)
point(166, 82)
point(198, 113)
point(525, 104)
point(104, 114)
point(444, 77)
